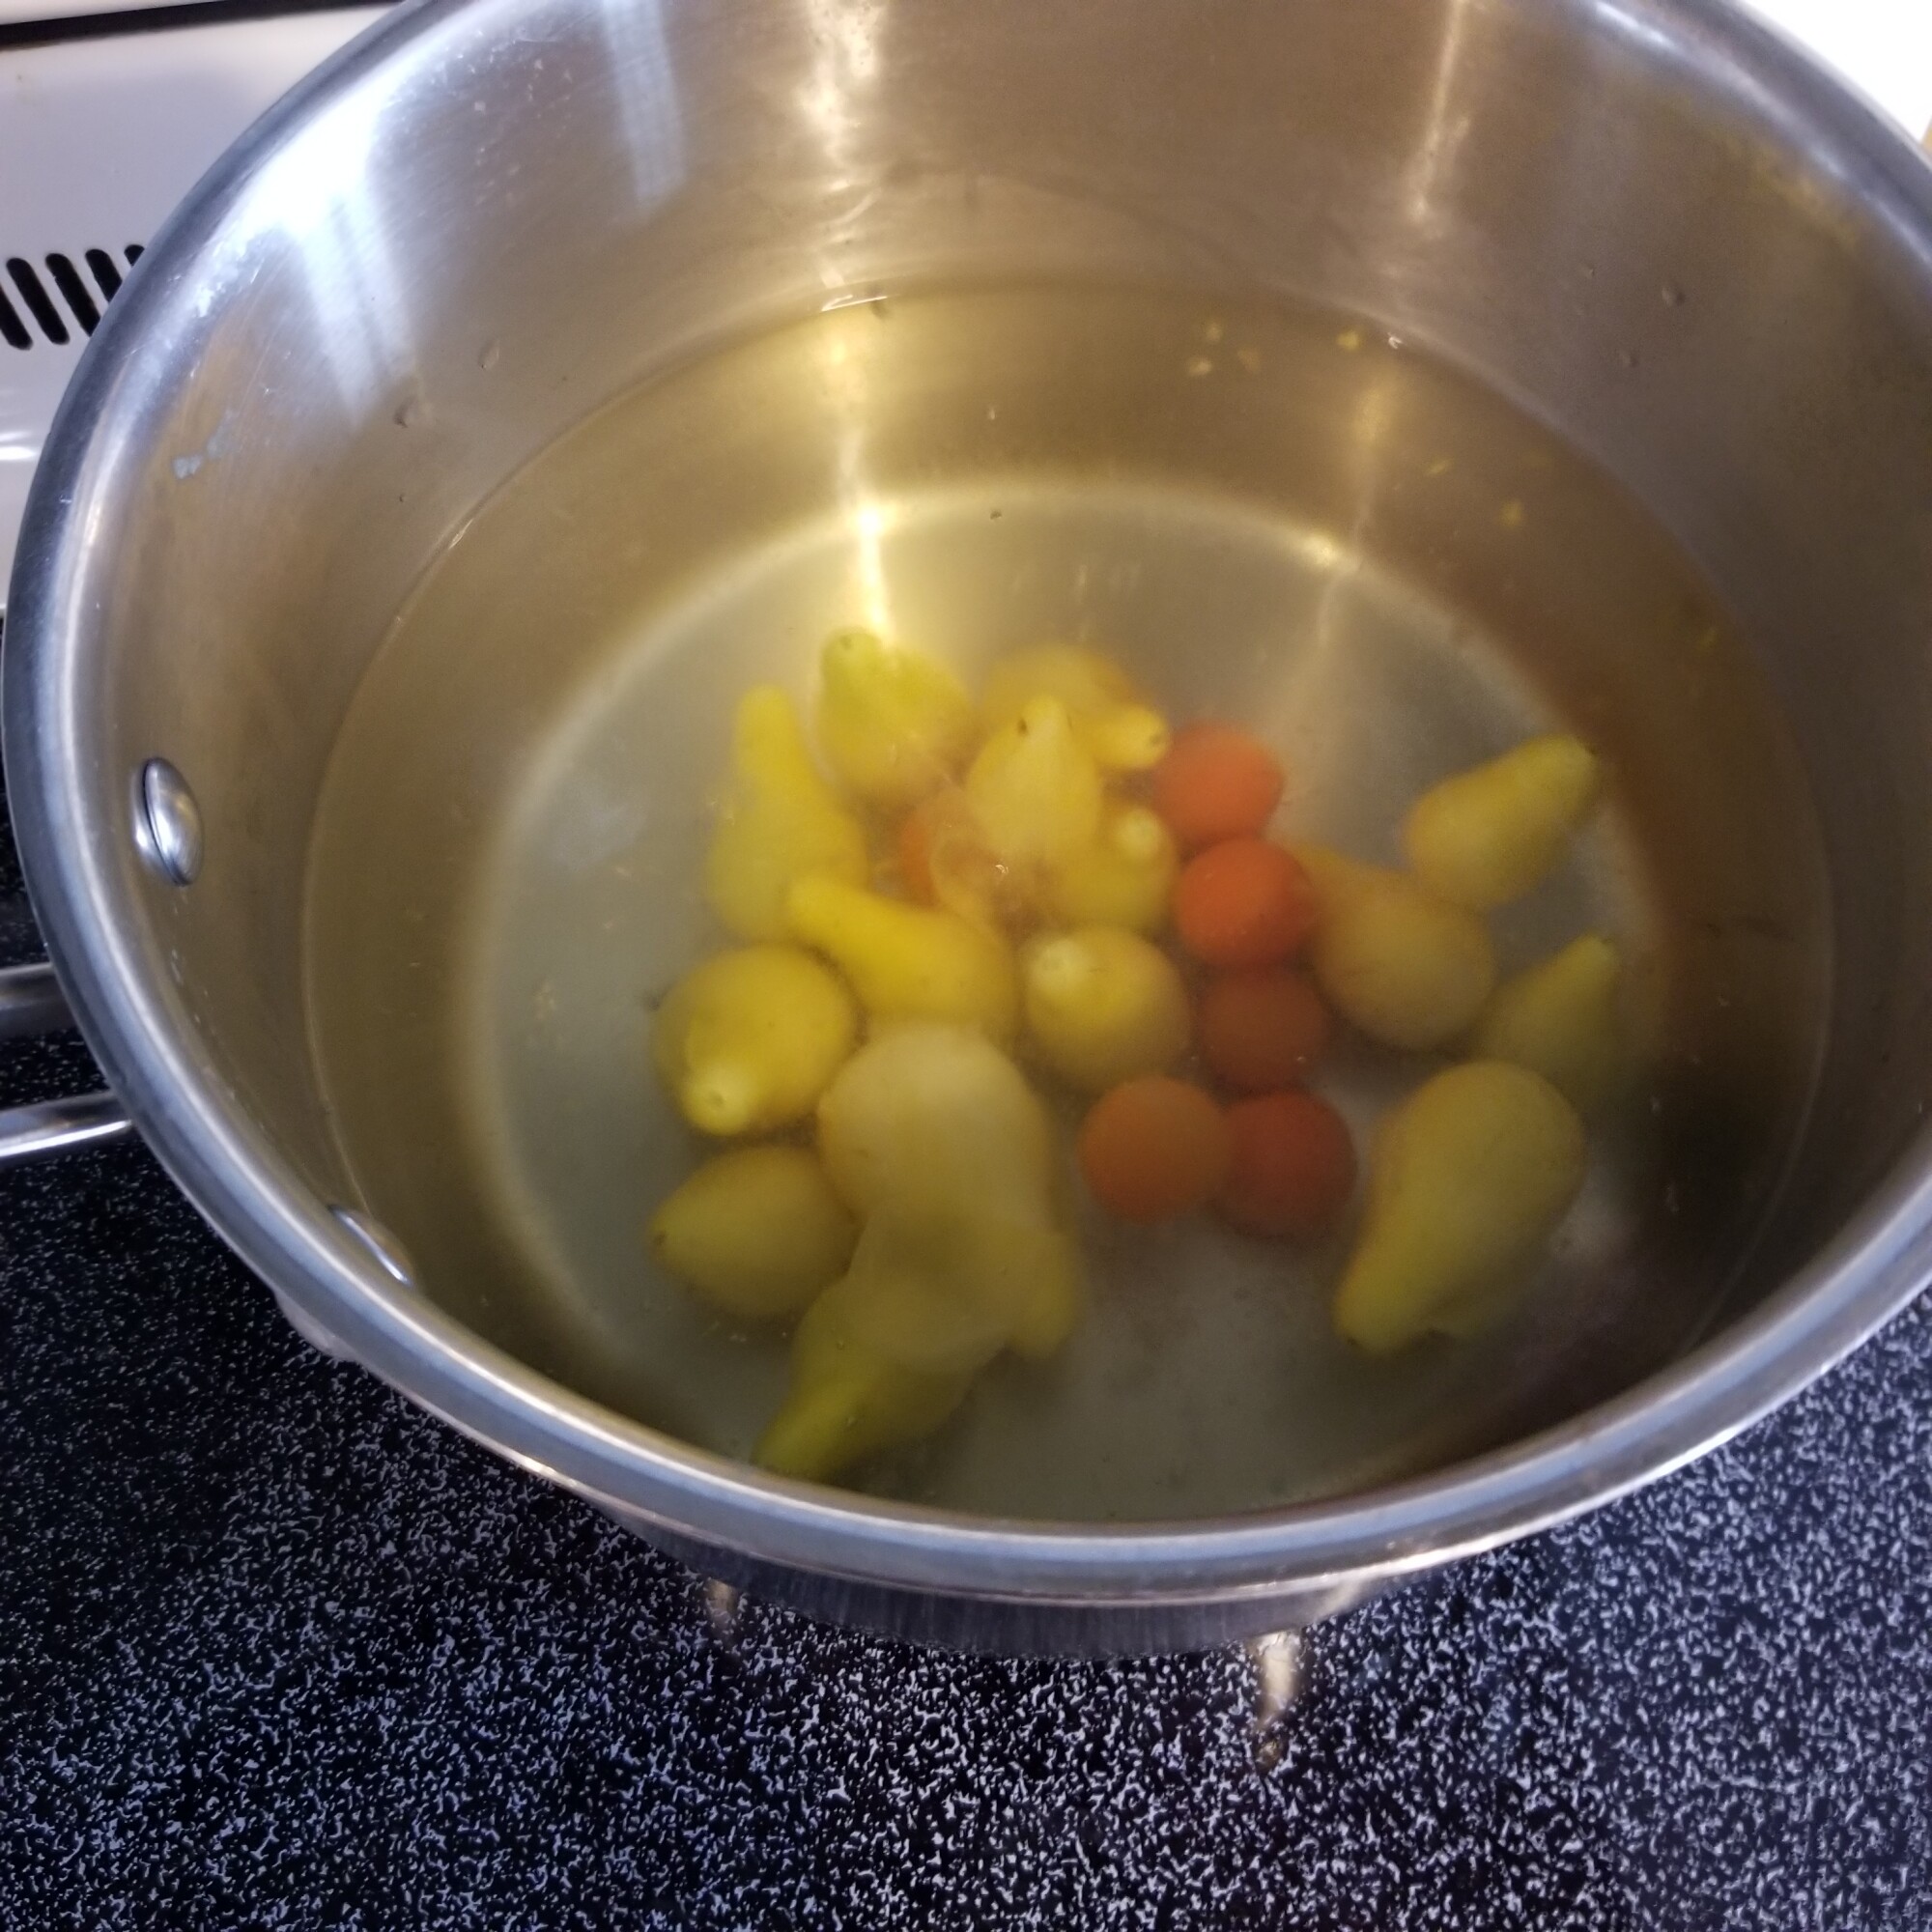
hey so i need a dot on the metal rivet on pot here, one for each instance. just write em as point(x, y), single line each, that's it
point(167, 823)
point(389, 1252)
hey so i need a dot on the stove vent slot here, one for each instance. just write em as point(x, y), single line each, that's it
point(51, 302)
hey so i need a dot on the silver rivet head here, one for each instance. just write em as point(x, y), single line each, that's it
point(167, 823)
point(389, 1253)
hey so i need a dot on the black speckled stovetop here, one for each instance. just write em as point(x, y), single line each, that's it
point(277, 1651)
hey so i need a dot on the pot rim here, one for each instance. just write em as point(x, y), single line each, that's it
point(237, 1179)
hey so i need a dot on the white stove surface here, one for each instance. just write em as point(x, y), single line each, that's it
point(98, 139)
point(1884, 47)
point(100, 136)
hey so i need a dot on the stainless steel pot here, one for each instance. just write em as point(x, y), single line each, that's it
point(1649, 221)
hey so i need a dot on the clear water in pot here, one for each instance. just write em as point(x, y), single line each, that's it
point(1279, 516)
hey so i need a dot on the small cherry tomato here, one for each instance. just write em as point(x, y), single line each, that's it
point(1245, 902)
point(1153, 1149)
point(1262, 1029)
point(1290, 1166)
point(1216, 783)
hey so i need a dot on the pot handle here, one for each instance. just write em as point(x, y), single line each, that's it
point(31, 1003)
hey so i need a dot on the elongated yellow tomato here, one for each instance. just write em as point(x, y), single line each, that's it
point(1408, 968)
point(1559, 1019)
point(888, 1353)
point(759, 1231)
point(935, 1123)
point(846, 1403)
point(1051, 1283)
point(1126, 877)
point(908, 961)
point(1120, 729)
point(943, 1290)
point(1469, 1177)
point(1489, 835)
point(750, 1039)
point(895, 724)
point(935, 1117)
point(1037, 789)
point(778, 822)
point(1103, 1006)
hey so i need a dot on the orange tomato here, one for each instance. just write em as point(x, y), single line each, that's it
point(1243, 902)
point(1290, 1166)
point(1261, 1029)
point(915, 854)
point(1153, 1149)
point(943, 860)
point(1216, 783)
